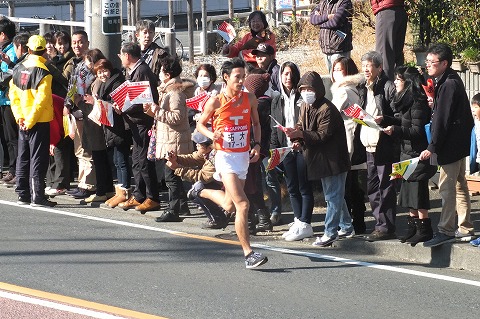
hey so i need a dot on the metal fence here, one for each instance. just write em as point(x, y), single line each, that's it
point(471, 81)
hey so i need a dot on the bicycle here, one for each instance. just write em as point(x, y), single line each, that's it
point(159, 38)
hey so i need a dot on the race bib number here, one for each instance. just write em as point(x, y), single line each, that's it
point(235, 137)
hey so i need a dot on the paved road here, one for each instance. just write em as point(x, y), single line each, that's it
point(110, 258)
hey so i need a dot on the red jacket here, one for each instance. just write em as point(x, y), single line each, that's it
point(379, 5)
point(56, 125)
point(235, 50)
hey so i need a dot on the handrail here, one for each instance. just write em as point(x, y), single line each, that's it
point(48, 21)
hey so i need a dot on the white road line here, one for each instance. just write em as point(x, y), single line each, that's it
point(58, 306)
point(276, 249)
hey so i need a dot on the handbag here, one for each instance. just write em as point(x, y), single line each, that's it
point(152, 144)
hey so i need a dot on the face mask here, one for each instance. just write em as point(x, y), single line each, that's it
point(203, 81)
point(337, 75)
point(308, 96)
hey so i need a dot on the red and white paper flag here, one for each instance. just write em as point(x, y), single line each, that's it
point(227, 31)
point(198, 102)
point(360, 116)
point(102, 113)
point(278, 125)
point(429, 88)
point(130, 93)
point(277, 155)
point(120, 94)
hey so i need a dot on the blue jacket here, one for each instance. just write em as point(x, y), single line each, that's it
point(10, 51)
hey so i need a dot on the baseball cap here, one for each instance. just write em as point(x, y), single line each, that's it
point(265, 48)
point(36, 43)
point(199, 138)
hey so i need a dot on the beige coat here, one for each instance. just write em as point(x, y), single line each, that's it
point(173, 129)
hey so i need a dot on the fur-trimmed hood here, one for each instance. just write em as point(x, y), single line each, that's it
point(176, 84)
point(349, 80)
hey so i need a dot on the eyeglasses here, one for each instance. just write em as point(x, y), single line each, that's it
point(428, 62)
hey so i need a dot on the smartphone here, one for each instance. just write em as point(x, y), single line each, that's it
point(341, 34)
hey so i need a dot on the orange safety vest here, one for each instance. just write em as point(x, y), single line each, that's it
point(234, 123)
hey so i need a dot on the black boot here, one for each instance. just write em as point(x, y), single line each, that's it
point(424, 231)
point(411, 229)
point(264, 222)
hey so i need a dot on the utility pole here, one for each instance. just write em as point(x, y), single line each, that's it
point(107, 23)
point(11, 8)
point(230, 9)
point(73, 15)
point(204, 27)
point(253, 5)
point(190, 31)
point(171, 15)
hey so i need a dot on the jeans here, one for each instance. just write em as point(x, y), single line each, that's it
point(121, 155)
point(274, 190)
point(299, 188)
point(337, 211)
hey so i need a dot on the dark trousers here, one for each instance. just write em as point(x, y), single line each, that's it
point(254, 188)
point(354, 194)
point(381, 194)
point(32, 161)
point(144, 174)
point(299, 188)
point(121, 154)
point(176, 191)
point(103, 173)
point(59, 171)
point(390, 29)
point(10, 131)
point(274, 190)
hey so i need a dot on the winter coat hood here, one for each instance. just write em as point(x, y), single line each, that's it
point(349, 80)
point(313, 80)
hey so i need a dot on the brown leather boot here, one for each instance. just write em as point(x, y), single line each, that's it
point(122, 195)
point(130, 203)
point(147, 205)
point(112, 198)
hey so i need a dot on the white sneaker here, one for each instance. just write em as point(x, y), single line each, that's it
point(292, 226)
point(346, 234)
point(303, 230)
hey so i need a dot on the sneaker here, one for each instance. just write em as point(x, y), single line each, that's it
point(96, 198)
point(72, 191)
point(464, 237)
point(23, 201)
point(168, 216)
point(254, 259)
point(55, 191)
point(292, 226)
point(276, 219)
point(195, 190)
point(475, 242)
point(346, 234)
point(301, 231)
point(82, 194)
point(324, 241)
point(47, 188)
point(439, 239)
point(43, 203)
point(377, 235)
point(211, 224)
point(7, 178)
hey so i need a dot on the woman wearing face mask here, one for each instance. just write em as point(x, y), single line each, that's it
point(259, 32)
point(321, 134)
point(206, 76)
point(345, 78)
point(285, 110)
point(409, 125)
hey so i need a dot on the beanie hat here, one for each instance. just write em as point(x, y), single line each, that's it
point(257, 83)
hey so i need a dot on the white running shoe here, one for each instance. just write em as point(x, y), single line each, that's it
point(303, 230)
point(292, 226)
point(346, 234)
